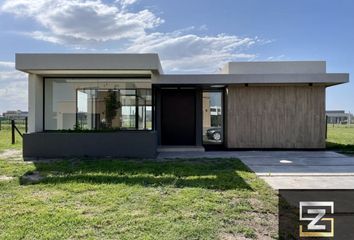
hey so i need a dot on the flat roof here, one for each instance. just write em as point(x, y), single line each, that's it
point(37, 62)
point(148, 65)
point(327, 79)
point(282, 67)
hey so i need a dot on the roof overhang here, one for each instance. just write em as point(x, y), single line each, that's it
point(93, 73)
point(327, 79)
point(337, 115)
point(89, 64)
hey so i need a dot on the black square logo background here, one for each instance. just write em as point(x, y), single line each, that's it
point(289, 212)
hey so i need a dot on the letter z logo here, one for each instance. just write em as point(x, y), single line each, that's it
point(314, 228)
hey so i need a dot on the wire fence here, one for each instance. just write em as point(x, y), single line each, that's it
point(340, 125)
point(15, 125)
point(7, 122)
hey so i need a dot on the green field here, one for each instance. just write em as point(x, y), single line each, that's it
point(340, 138)
point(5, 137)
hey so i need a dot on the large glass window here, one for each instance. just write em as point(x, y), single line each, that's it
point(212, 117)
point(98, 104)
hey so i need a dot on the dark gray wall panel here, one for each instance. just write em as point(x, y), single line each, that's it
point(139, 144)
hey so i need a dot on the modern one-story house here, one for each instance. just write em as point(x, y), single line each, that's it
point(124, 105)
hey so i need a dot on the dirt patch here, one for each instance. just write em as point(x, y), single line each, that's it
point(11, 155)
point(45, 195)
point(6, 178)
point(41, 195)
point(229, 236)
point(263, 224)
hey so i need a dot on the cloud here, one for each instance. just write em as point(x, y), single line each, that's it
point(125, 3)
point(6, 65)
point(79, 21)
point(87, 24)
point(276, 58)
point(182, 52)
point(13, 87)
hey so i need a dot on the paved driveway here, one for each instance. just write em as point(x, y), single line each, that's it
point(292, 169)
point(302, 170)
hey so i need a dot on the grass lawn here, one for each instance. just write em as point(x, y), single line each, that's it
point(138, 199)
point(341, 138)
point(5, 137)
point(135, 199)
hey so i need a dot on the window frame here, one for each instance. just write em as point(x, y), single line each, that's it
point(113, 130)
point(136, 106)
point(222, 92)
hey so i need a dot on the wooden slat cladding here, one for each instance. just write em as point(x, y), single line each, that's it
point(276, 117)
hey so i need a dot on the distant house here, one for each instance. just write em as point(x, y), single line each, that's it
point(15, 115)
point(339, 117)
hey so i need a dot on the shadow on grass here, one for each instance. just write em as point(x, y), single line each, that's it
point(345, 148)
point(219, 174)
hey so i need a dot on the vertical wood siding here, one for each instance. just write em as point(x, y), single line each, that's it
point(276, 117)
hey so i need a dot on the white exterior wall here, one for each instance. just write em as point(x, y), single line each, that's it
point(283, 67)
point(61, 61)
point(35, 103)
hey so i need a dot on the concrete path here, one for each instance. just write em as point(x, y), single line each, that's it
point(290, 169)
point(303, 170)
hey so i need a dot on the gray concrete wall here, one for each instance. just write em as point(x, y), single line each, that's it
point(132, 144)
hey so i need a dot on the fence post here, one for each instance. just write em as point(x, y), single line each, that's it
point(13, 131)
point(326, 127)
point(26, 124)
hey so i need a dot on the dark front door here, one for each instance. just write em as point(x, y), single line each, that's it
point(178, 117)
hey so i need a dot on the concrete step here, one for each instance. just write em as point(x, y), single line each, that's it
point(180, 149)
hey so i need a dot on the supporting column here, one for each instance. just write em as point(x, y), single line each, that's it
point(35, 103)
point(199, 117)
point(157, 118)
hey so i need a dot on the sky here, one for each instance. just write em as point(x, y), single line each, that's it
point(191, 36)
